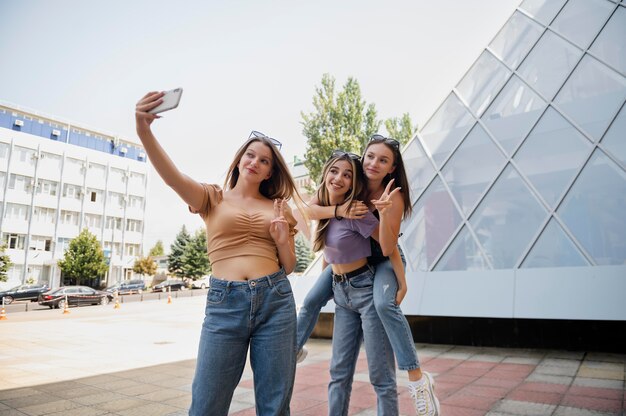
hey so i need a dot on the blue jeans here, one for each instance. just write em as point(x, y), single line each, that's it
point(394, 321)
point(259, 314)
point(356, 320)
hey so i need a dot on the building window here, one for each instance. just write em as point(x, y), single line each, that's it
point(40, 243)
point(47, 187)
point(69, 217)
point(4, 150)
point(71, 191)
point(17, 212)
point(14, 241)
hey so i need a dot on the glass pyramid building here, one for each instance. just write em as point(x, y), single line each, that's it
point(519, 177)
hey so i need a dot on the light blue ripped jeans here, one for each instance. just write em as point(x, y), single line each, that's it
point(394, 321)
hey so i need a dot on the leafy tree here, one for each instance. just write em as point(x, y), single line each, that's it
point(157, 250)
point(177, 250)
point(401, 129)
point(145, 265)
point(341, 120)
point(5, 263)
point(84, 259)
point(195, 259)
point(304, 255)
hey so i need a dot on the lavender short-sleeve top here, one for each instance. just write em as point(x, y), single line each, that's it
point(348, 240)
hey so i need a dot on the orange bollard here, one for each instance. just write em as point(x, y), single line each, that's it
point(169, 295)
point(117, 301)
point(3, 313)
point(66, 306)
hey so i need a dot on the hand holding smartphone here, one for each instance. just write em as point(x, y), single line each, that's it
point(170, 101)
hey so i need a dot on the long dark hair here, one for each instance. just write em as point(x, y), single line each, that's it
point(357, 192)
point(399, 174)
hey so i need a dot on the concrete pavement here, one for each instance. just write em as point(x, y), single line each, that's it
point(140, 359)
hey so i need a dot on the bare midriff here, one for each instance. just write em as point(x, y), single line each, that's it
point(348, 267)
point(244, 268)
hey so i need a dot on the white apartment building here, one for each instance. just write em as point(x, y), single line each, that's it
point(57, 178)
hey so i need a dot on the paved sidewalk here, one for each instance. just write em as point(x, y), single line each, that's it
point(139, 360)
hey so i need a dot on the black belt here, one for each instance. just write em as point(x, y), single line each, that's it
point(342, 277)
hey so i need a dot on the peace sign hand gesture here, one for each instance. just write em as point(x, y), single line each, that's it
point(279, 227)
point(384, 202)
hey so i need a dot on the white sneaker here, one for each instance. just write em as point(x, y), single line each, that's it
point(302, 355)
point(423, 395)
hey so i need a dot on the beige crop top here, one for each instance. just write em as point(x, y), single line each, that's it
point(232, 231)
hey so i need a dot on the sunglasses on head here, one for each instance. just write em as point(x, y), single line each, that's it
point(258, 135)
point(382, 139)
point(341, 154)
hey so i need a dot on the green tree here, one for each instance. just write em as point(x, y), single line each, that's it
point(195, 259)
point(84, 259)
point(5, 263)
point(401, 129)
point(177, 250)
point(304, 255)
point(145, 265)
point(340, 120)
point(157, 250)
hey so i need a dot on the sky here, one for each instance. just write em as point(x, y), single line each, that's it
point(243, 65)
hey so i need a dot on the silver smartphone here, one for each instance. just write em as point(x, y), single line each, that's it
point(170, 101)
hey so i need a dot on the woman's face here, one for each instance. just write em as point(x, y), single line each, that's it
point(338, 180)
point(256, 162)
point(378, 161)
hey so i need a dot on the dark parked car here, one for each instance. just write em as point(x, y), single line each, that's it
point(23, 292)
point(172, 284)
point(127, 287)
point(75, 295)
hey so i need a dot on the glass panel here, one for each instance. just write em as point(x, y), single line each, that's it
point(608, 45)
point(581, 20)
point(463, 254)
point(552, 155)
point(482, 82)
point(472, 167)
point(554, 249)
point(506, 220)
point(615, 139)
point(542, 10)
point(513, 113)
point(592, 96)
point(514, 40)
point(549, 63)
point(429, 228)
point(418, 168)
point(594, 210)
point(446, 128)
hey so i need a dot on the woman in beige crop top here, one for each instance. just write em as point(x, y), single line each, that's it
point(250, 242)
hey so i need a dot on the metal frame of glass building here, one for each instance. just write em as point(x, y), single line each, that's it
point(518, 179)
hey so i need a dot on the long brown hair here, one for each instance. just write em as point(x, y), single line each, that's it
point(357, 192)
point(279, 185)
point(399, 174)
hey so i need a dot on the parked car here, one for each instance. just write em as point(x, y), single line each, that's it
point(75, 295)
point(172, 284)
point(201, 283)
point(127, 287)
point(23, 292)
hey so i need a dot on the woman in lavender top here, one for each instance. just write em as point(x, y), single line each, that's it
point(346, 248)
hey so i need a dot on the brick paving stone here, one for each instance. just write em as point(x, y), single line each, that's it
point(152, 409)
point(593, 403)
point(547, 378)
point(471, 401)
point(449, 410)
point(524, 408)
point(599, 383)
point(544, 387)
point(535, 396)
point(572, 411)
point(612, 394)
point(49, 407)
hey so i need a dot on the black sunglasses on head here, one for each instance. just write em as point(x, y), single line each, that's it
point(259, 135)
point(341, 154)
point(380, 138)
